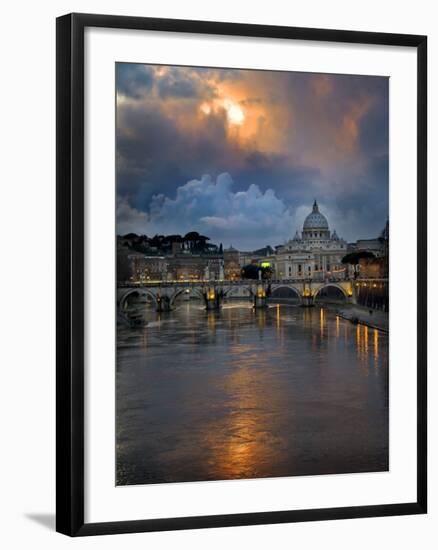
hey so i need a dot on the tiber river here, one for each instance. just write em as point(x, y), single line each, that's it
point(239, 393)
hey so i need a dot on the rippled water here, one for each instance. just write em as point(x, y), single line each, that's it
point(243, 394)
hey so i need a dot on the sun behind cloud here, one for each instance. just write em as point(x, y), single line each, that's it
point(235, 114)
point(299, 134)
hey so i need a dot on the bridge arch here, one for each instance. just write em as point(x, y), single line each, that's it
point(180, 291)
point(294, 289)
point(330, 285)
point(230, 291)
point(131, 291)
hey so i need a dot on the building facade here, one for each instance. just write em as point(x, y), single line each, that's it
point(179, 267)
point(193, 267)
point(147, 268)
point(232, 269)
point(315, 254)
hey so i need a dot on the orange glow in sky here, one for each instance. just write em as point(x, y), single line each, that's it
point(294, 136)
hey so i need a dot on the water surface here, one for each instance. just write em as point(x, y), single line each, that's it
point(240, 393)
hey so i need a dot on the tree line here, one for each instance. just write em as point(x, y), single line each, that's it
point(192, 241)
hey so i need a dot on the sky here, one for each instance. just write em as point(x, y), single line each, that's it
point(240, 155)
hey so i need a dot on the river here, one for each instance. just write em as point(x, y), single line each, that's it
point(239, 393)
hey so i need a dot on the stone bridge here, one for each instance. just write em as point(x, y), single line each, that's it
point(213, 293)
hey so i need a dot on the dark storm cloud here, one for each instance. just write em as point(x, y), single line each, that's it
point(155, 156)
point(133, 80)
point(177, 82)
point(296, 135)
point(171, 86)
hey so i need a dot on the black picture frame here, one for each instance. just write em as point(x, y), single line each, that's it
point(70, 273)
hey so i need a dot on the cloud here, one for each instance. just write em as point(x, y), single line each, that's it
point(177, 82)
point(129, 219)
point(133, 80)
point(248, 219)
point(322, 84)
point(303, 136)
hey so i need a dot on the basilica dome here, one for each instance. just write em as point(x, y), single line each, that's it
point(315, 220)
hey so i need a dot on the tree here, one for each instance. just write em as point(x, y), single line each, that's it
point(174, 238)
point(156, 241)
point(251, 271)
point(196, 241)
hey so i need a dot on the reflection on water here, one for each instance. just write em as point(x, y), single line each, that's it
point(239, 393)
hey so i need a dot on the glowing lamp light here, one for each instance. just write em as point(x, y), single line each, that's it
point(261, 292)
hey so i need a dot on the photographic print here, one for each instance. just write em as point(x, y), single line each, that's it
point(252, 274)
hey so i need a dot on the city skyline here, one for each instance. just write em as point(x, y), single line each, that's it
point(240, 155)
point(303, 211)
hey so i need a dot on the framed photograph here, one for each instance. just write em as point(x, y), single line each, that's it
point(241, 274)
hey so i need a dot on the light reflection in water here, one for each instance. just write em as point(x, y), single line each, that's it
point(279, 324)
point(244, 393)
point(261, 318)
point(376, 348)
point(243, 447)
point(358, 342)
point(363, 347)
point(308, 316)
point(211, 319)
point(365, 340)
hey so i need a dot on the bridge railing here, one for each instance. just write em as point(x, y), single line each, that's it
point(237, 282)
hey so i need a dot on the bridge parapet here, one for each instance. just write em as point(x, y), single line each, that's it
point(226, 284)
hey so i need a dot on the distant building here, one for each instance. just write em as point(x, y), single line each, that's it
point(232, 268)
point(177, 247)
point(124, 265)
point(375, 246)
point(147, 268)
point(191, 267)
point(372, 268)
point(377, 267)
point(257, 256)
point(315, 254)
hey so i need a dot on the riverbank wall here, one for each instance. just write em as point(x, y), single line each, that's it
point(365, 316)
